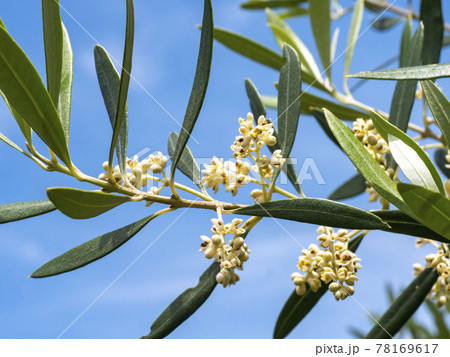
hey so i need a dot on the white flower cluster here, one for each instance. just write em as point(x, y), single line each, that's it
point(232, 175)
point(230, 255)
point(441, 262)
point(235, 175)
point(137, 171)
point(368, 135)
point(333, 264)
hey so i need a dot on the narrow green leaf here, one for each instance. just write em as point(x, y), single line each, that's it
point(185, 304)
point(12, 212)
point(320, 117)
point(316, 211)
point(319, 14)
point(53, 45)
point(249, 48)
point(109, 81)
point(374, 6)
point(289, 90)
point(294, 12)
point(365, 163)
point(124, 85)
point(65, 95)
point(257, 52)
point(385, 23)
point(417, 170)
point(404, 224)
point(405, 92)
point(258, 109)
point(350, 188)
point(441, 161)
point(431, 207)
point(262, 4)
point(334, 42)
point(297, 307)
point(439, 320)
point(187, 164)
point(80, 204)
point(431, 16)
point(312, 103)
point(430, 71)
point(439, 106)
point(404, 306)
point(23, 125)
point(383, 65)
point(353, 33)
point(413, 160)
point(256, 103)
point(405, 43)
point(200, 84)
point(91, 251)
point(25, 92)
point(58, 60)
point(284, 34)
point(14, 145)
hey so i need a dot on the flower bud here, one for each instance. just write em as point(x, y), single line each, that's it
point(257, 195)
point(238, 242)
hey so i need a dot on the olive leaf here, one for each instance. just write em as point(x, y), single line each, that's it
point(65, 96)
point(23, 125)
point(263, 4)
point(412, 159)
point(58, 60)
point(53, 46)
point(288, 110)
point(118, 129)
point(350, 188)
point(91, 251)
point(23, 88)
point(14, 145)
point(404, 306)
point(258, 53)
point(431, 16)
point(365, 163)
point(200, 85)
point(285, 35)
point(249, 48)
point(185, 304)
point(401, 223)
point(405, 91)
point(319, 15)
point(441, 161)
point(385, 23)
point(109, 81)
point(439, 107)
point(312, 103)
point(12, 212)
point(187, 164)
point(432, 207)
point(80, 204)
point(353, 33)
point(316, 211)
point(430, 71)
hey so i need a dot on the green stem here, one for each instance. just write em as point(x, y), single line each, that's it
point(283, 192)
point(183, 188)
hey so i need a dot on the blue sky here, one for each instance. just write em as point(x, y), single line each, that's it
point(164, 61)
